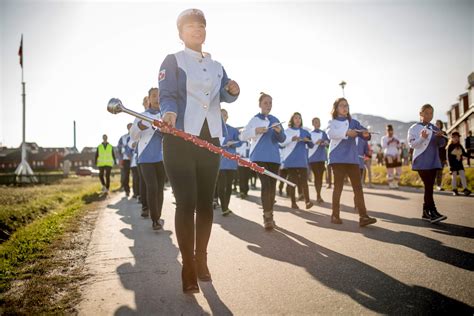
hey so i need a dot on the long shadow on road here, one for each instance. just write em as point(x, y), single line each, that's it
point(432, 248)
point(366, 285)
point(155, 275)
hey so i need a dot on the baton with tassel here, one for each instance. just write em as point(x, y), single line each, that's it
point(115, 106)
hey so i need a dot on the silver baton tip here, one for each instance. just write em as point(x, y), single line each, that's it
point(114, 106)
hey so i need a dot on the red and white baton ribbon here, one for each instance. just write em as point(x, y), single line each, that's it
point(115, 106)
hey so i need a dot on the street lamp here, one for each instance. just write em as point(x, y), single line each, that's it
point(343, 84)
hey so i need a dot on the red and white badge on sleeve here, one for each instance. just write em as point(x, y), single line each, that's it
point(162, 75)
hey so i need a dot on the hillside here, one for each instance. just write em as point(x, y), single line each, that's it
point(378, 124)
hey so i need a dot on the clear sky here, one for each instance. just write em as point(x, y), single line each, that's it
point(394, 56)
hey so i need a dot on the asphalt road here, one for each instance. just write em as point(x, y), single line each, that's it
point(307, 265)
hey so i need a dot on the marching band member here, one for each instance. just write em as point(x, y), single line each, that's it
point(265, 133)
point(343, 158)
point(192, 85)
point(317, 156)
point(134, 168)
point(142, 184)
point(150, 159)
point(244, 172)
point(455, 153)
point(295, 157)
point(362, 152)
point(425, 139)
point(391, 146)
point(227, 167)
point(125, 156)
point(443, 157)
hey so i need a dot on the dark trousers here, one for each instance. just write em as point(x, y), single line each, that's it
point(105, 182)
point(284, 174)
point(329, 175)
point(125, 172)
point(439, 174)
point(428, 177)
point(192, 172)
point(299, 176)
point(135, 181)
point(267, 193)
point(142, 186)
point(253, 178)
point(154, 177)
point(318, 170)
point(340, 172)
point(244, 175)
point(224, 187)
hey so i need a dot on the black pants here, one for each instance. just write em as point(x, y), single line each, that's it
point(428, 177)
point(154, 176)
point(125, 175)
point(439, 174)
point(105, 182)
point(244, 175)
point(135, 181)
point(318, 170)
point(284, 174)
point(192, 172)
point(329, 175)
point(299, 176)
point(224, 187)
point(253, 178)
point(268, 185)
point(340, 172)
point(142, 186)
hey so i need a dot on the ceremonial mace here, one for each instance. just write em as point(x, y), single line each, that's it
point(115, 106)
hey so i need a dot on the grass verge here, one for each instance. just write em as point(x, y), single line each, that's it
point(41, 263)
point(412, 179)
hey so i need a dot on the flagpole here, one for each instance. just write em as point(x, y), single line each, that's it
point(24, 168)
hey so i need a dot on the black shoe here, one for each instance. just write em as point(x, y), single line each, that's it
point(466, 192)
point(309, 205)
point(203, 273)
point(226, 212)
point(243, 196)
point(145, 213)
point(426, 216)
point(295, 206)
point(127, 194)
point(280, 192)
point(320, 200)
point(455, 192)
point(366, 220)
point(134, 196)
point(157, 225)
point(435, 216)
point(189, 278)
point(335, 219)
point(268, 221)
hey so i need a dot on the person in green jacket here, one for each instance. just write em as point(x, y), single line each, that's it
point(104, 160)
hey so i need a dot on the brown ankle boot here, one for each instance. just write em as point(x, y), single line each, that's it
point(188, 276)
point(203, 273)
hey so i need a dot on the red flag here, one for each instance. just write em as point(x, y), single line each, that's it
point(20, 51)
